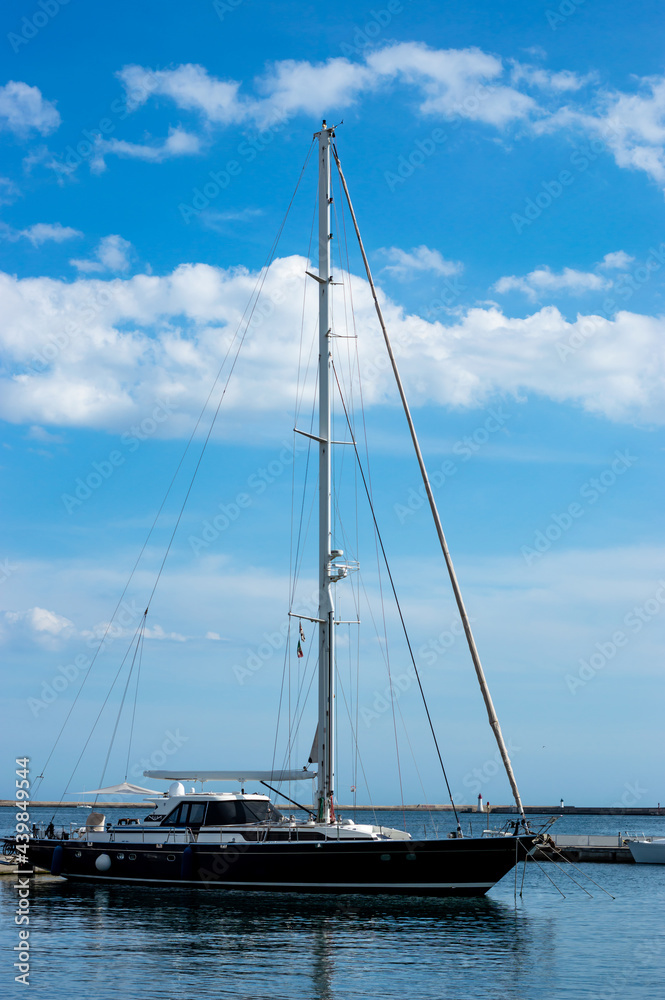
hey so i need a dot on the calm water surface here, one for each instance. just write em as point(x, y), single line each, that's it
point(114, 941)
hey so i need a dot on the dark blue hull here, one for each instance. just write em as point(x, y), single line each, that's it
point(414, 868)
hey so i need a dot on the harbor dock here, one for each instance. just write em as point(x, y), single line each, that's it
point(420, 807)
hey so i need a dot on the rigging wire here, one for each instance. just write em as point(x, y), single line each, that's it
point(355, 739)
point(122, 700)
point(99, 714)
point(136, 694)
point(401, 617)
point(482, 681)
point(253, 301)
point(258, 289)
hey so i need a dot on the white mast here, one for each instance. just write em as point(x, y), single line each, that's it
point(326, 728)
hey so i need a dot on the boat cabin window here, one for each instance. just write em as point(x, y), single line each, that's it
point(186, 814)
point(238, 812)
point(230, 813)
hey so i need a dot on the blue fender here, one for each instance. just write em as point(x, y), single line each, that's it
point(187, 863)
point(56, 860)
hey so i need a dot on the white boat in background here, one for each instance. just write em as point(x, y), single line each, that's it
point(648, 850)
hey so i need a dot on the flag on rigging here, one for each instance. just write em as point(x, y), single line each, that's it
point(299, 650)
point(302, 634)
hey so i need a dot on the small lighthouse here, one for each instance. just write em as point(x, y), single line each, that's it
point(480, 803)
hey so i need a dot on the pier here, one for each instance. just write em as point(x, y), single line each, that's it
point(500, 810)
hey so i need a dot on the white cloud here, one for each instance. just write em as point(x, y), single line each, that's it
point(545, 79)
point(41, 232)
point(543, 280)
point(451, 81)
point(631, 126)
point(619, 260)
point(23, 109)
point(219, 221)
point(189, 86)
point(36, 433)
point(177, 143)
point(454, 81)
point(404, 264)
point(50, 630)
point(111, 254)
point(102, 354)
point(35, 625)
point(9, 191)
point(469, 83)
point(292, 86)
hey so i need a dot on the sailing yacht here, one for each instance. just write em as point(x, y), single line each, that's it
point(240, 840)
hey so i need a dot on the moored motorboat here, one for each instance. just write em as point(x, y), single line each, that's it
point(648, 850)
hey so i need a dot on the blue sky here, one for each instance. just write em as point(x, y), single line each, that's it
point(507, 167)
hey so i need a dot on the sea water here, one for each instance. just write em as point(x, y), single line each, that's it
point(113, 941)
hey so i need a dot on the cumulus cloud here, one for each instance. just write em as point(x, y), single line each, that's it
point(189, 86)
point(619, 260)
point(9, 191)
point(50, 630)
point(41, 232)
point(100, 354)
point(544, 281)
point(631, 126)
point(449, 81)
point(405, 264)
point(35, 625)
point(475, 85)
point(23, 110)
point(545, 79)
point(177, 143)
point(111, 254)
point(464, 82)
